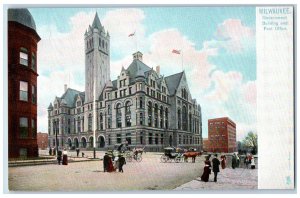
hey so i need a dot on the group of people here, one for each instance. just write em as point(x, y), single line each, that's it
point(213, 165)
point(249, 160)
point(215, 168)
point(111, 165)
point(62, 156)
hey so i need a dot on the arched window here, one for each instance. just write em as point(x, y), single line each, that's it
point(78, 125)
point(106, 46)
point(166, 118)
point(128, 113)
point(82, 128)
point(190, 122)
point(102, 43)
point(184, 118)
point(156, 115)
point(83, 142)
point(90, 122)
point(101, 121)
point(149, 113)
point(119, 115)
point(161, 113)
point(141, 119)
point(141, 102)
point(99, 42)
point(179, 118)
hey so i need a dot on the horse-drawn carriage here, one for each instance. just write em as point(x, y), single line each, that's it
point(171, 154)
point(135, 154)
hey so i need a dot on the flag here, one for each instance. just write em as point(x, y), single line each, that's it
point(132, 34)
point(176, 51)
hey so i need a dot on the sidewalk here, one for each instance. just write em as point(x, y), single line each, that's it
point(228, 179)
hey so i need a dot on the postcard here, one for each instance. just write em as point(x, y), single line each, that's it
point(148, 98)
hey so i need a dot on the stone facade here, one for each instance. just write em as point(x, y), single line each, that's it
point(141, 107)
point(22, 84)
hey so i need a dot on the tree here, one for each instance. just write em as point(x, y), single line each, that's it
point(250, 142)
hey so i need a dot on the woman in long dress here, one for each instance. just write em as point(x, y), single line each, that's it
point(206, 171)
point(223, 161)
point(65, 157)
point(110, 167)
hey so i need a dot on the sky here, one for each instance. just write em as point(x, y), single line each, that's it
point(218, 48)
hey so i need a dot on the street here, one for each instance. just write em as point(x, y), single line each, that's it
point(150, 174)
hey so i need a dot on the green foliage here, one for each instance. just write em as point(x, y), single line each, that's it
point(250, 142)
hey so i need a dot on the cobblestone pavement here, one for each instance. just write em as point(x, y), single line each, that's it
point(150, 174)
point(228, 179)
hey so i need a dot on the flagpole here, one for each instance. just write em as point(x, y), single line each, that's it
point(181, 59)
point(136, 41)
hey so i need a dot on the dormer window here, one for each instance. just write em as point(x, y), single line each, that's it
point(78, 103)
point(24, 56)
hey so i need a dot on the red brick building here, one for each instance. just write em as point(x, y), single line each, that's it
point(22, 84)
point(42, 140)
point(221, 135)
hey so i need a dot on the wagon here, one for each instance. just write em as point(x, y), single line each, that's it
point(170, 155)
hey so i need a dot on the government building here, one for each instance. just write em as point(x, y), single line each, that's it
point(141, 108)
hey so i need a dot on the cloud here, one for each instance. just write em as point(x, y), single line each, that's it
point(232, 36)
point(224, 84)
point(121, 23)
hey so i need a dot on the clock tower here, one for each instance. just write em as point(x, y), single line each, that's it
point(97, 65)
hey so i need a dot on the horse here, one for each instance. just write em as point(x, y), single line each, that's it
point(192, 154)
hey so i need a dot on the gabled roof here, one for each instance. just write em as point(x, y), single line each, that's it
point(173, 82)
point(134, 68)
point(70, 96)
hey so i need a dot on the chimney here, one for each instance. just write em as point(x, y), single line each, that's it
point(66, 87)
point(158, 70)
point(138, 56)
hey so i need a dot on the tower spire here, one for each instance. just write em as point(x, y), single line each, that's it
point(96, 22)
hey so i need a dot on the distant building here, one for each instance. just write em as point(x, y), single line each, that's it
point(140, 107)
point(42, 140)
point(22, 84)
point(205, 144)
point(221, 135)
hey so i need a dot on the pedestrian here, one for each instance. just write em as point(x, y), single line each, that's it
point(233, 161)
point(65, 157)
point(237, 160)
point(223, 161)
point(252, 163)
point(54, 151)
point(50, 151)
point(110, 167)
point(77, 151)
point(215, 164)
point(122, 161)
point(105, 162)
point(116, 162)
point(207, 170)
point(59, 154)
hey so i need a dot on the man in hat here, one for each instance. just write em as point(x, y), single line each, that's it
point(216, 164)
point(105, 162)
point(122, 161)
